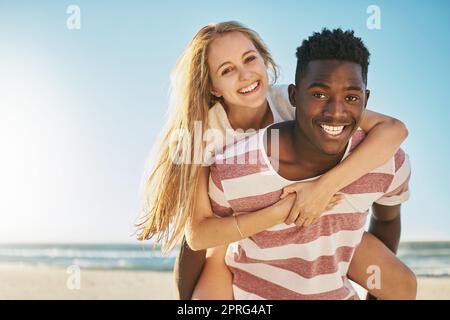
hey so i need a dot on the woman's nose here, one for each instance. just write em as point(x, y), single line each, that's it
point(244, 73)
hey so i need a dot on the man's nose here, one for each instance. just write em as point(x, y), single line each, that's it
point(334, 108)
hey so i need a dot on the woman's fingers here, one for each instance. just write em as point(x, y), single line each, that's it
point(300, 217)
point(295, 212)
point(329, 207)
point(286, 191)
point(307, 222)
point(333, 202)
point(292, 217)
point(337, 197)
point(299, 222)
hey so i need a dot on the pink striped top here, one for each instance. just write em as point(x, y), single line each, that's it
point(286, 261)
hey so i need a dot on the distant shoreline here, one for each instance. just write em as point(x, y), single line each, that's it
point(429, 258)
point(151, 244)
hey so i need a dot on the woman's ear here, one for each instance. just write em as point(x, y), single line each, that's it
point(215, 93)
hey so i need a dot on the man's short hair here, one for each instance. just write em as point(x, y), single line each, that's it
point(332, 45)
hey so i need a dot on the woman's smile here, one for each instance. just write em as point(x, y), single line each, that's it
point(250, 89)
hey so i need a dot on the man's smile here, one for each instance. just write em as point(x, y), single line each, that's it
point(334, 131)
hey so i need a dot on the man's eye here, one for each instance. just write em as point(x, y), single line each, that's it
point(352, 98)
point(227, 70)
point(249, 59)
point(319, 95)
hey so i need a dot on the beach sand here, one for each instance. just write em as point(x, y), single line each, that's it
point(28, 282)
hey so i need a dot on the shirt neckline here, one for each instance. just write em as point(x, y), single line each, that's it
point(262, 148)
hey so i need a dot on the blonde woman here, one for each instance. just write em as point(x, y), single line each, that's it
point(221, 81)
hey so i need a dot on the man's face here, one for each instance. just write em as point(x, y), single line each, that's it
point(330, 99)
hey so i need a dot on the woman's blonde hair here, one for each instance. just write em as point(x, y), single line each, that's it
point(170, 189)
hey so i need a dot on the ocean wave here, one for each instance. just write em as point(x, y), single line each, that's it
point(425, 260)
point(79, 253)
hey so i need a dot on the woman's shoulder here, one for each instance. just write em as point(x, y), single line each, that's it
point(279, 90)
point(279, 102)
point(217, 118)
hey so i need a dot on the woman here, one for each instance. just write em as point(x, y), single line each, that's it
point(211, 84)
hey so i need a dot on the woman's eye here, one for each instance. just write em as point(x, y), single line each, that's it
point(226, 71)
point(319, 95)
point(352, 98)
point(249, 59)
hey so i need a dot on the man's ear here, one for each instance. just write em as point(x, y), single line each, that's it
point(367, 98)
point(292, 91)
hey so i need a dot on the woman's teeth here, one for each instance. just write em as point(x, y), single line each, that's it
point(249, 88)
point(332, 130)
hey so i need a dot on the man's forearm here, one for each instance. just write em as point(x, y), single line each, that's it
point(387, 231)
point(385, 224)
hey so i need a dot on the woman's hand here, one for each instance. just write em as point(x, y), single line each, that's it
point(282, 208)
point(313, 198)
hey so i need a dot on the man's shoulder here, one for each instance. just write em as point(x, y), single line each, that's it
point(358, 136)
point(398, 159)
point(381, 179)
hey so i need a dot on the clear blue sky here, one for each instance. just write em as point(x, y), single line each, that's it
point(80, 109)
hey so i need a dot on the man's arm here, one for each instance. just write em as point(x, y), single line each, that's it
point(385, 219)
point(187, 270)
point(385, 224)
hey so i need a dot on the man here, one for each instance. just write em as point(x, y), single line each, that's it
point(290, 262)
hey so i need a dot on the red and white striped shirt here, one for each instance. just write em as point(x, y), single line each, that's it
point(286, 261)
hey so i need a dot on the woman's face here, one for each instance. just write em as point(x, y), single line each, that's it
point(237, 70)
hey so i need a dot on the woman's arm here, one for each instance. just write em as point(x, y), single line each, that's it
point(204, 230)
point(384, 136)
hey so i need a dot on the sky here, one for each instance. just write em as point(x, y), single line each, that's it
point(80, 109)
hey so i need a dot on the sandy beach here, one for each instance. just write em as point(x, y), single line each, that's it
point(27, 282)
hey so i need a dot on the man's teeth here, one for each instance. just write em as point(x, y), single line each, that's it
point(332, 130)
point(249, 88)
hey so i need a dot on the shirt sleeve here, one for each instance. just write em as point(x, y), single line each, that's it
point(398, 190)
point(219, 203)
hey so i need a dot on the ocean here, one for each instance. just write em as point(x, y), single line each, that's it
point(429, 259)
